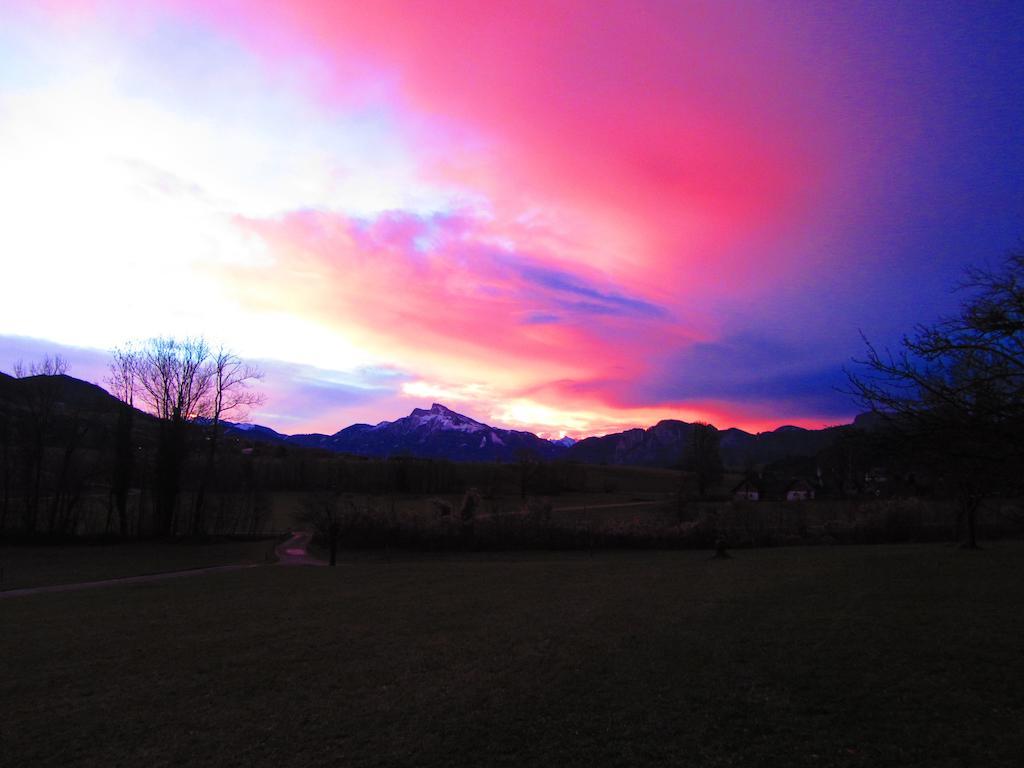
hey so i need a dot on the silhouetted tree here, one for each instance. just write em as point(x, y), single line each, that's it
point(844, 462)
point(122, 383)
point(528, 464)
point(702, 457)
point(953, 393)
point(69, 477)
point(48, 366)
point(182, 381)
point(229, 397)
point(467, 515)
point(173, 382)
point(7, 455)
point(324, 512)
point(39, 409)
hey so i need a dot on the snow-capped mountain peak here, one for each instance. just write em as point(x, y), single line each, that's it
point(440, 417)
point(566, 441)
point(437, 432)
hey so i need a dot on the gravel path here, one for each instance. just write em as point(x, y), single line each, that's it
point(294, 551)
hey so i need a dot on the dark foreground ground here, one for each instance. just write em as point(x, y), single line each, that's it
point(853, 656)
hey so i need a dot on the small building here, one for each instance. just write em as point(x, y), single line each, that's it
point(799, 490)
point(746, 491)
point(876, 476)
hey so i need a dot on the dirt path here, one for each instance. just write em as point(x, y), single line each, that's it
point(291, 552)
point(588, 507)
point(120, 581)
point(295, 551)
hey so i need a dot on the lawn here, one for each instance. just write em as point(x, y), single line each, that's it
point(38, 566)
point(852, 656)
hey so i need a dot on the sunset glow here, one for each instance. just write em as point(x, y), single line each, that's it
point(563, 217)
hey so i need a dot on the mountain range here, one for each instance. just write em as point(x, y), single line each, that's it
point(442, 433)
point(436, 433)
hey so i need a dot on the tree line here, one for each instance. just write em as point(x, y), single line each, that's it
point(62, 445)
point(152, 455)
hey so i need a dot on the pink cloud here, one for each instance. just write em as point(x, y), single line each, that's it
point(436, 296)
point(660, 138)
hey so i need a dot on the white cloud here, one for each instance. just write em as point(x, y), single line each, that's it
point(120, 183)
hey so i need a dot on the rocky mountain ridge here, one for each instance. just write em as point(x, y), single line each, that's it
point(443, 433)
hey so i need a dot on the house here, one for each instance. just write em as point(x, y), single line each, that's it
point(799, 490)
point(876, 476)
point(746, 491)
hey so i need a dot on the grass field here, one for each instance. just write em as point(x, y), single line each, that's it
point(39, 566)
point(847, 656)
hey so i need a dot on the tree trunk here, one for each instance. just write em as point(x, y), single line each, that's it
point(124, 466)
point(7, 477)
point(35, 485)
point(198, 517)
point(168, 474)
point(972, 539)
point(110, 513)
point(62, 503)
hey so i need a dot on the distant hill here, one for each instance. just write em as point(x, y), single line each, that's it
point(662, 445)
point(66, 393)
point(442, 433)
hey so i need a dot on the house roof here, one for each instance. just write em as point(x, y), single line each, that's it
point(799, 484)
point(747, 486)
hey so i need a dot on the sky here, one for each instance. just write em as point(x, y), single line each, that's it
point(562, 216)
